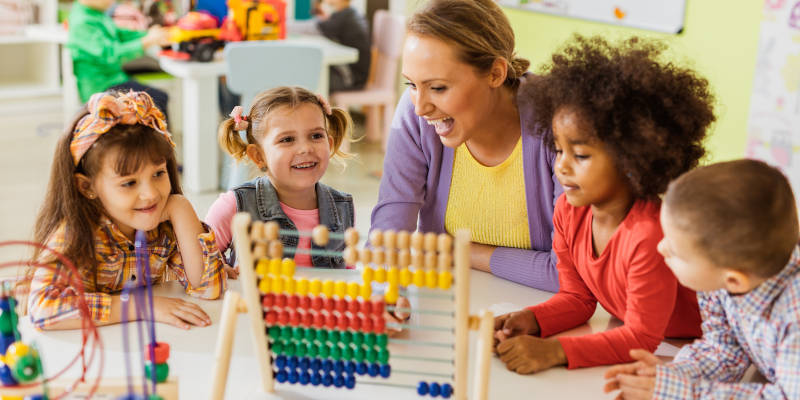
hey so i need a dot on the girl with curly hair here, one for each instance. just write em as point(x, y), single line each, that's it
point(624, 123)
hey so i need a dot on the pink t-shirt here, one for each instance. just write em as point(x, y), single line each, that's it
point(222, 211)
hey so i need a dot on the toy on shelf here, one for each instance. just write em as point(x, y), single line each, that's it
point(326, 327)
point(197, 35)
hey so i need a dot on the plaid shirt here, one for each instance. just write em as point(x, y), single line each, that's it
point(761, 327)
point(51, 300)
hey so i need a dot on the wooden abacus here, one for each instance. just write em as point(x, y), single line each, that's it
point(287, 315)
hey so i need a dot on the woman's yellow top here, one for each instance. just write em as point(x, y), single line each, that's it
point(490, 201)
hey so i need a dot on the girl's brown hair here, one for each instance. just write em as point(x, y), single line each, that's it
point(478, 28)
point(338, 123)
point(64, 203)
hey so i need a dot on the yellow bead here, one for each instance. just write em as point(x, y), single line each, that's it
point(445, 280)
point(275, 266)
point(277, 285)
point(419, 278)
point(16, 351)
point(287, 267)
point(352, 290)
point(327, 288)
point(289, 284)
point(368, 274)
point(365, 291)
point(315, 287)
point(302, 286)
point(393, 276)
point(262, 268)
point(391, 295)
point(264, 285)
point(405, 277)
point(430, 278)
point(380, 275)
point(340, 289)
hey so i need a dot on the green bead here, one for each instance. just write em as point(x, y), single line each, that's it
point(291, 349)
point(372, 355)
point(274, 332)
point(277, 347)
point(154, 397)
point(162, 371)
point(383, 340)
point(347, 337)
point(347, 353)
point(369, 339)
point(313, 350)
point(334, 337)
point(286, 332)
point(322, 335)
point(301, 350)
point(26, 368)
point(358, 338)
point(360, 354)
point(311, 334)
point(383, 356)
point(324, 350)
point(298, 333)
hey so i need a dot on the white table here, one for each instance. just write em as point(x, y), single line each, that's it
point(200, 115)
point(192, 354)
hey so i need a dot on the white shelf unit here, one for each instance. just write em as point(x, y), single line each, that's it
point(30, 65)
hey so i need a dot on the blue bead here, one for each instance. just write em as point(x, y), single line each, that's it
point(422, 388)
point(281, 376)
point(280, 362)
point(350, 382)
point(305, 377)
point(327, 366)
point(5, 376)
point(35, 397)
point(435, 389)
point(350, 367)
point(374, 370)
point(338, 367)
point(447, 390)
point(304, 363)
point(327, 380)
point(5, 341)
point(338, 381)
point(293, 362)
point(316, 364)
point(361, 368)
point(386, 370)
point(316, 379)
point(294, 377)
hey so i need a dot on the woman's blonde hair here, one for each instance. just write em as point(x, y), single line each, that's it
point(338, 123)
point(478, 28)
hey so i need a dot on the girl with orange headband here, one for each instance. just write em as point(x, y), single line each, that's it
point(114, 173)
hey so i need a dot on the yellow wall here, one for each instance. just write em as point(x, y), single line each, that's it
point(719, 39)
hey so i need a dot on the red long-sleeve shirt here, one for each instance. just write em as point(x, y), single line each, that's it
point(629, 279)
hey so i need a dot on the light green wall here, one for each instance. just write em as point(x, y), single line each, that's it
point(719, 39)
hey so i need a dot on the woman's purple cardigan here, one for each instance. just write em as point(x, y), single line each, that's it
point(416, 185)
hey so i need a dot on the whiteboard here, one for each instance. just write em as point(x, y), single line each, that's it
point(657, 15)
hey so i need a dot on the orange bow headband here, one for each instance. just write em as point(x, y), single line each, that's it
point(107, 110)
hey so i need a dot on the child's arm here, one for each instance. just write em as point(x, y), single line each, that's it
point(198, 258)
point(219, 218)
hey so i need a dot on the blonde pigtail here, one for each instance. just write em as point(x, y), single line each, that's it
point(340, 127)
point(231, 141)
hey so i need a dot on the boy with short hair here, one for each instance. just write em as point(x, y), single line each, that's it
point(731, 233)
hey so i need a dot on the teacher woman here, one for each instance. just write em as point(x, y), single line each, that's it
point(462, 152)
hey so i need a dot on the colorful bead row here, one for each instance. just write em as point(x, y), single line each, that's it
point(339, 368)
point(435, 389)
point(160, 356)
point(297, 302)
point(351, 352)
point(312, 335)
point(318, 320)
point(329, 288)
point(394, 276)
point(315, 379)
point(275, 266)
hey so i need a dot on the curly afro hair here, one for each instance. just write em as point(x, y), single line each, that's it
point(651, 115)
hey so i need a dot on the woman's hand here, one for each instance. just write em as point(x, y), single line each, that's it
point(233, 272)
point(529, 354)
point(522, 322)
point(480, 255)
point(634, 380)
point(397, 317)
point(180, 313)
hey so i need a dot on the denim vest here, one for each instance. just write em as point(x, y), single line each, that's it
point(258, 197)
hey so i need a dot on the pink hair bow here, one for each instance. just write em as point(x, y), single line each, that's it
point(239, 121)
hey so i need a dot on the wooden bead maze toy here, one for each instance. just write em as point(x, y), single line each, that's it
point(327, 327)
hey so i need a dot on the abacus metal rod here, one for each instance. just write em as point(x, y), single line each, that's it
point(420, 327)
point(397, 385)
point(313, 252)
point(420, 311)
point(436, 374)
point(289, 232)
point(422, 343)
point(418, 358)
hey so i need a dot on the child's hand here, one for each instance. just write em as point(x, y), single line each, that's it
point(233, 272)
point(180, 313)
point(396, 317)
point(516, 323)
point(174, 202)
point(634, 380)
point(528, 354)
point(156, 36)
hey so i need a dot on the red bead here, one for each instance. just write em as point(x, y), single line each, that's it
point(294, 318)
point(305, 302)
point(330, 321)
point(271, 318)
point(341, 305)
point(344, 322)
point(365, 307)
point(308, 319)
point(319, 320)
point(280, 300)
point(366, 324)
point(160, 350)
point(355, 323)
point(327, 303)
point(352, 306)
point(316, 303)
point(283, 317)
point(293, 300)
point(380, 324)
point(377, 307)
point(268, 300)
